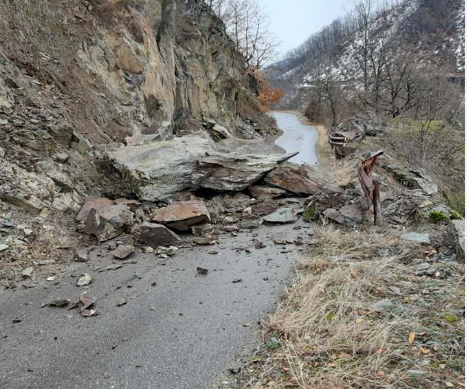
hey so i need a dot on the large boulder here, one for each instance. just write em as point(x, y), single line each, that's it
point(159, 170)
point(456, 232)
point(155, 235)
point(301, 179)
point(281, 216)
point(108, 222)
point(183, 215)
point(234, 171)
point(96, 203)
point(105, 218)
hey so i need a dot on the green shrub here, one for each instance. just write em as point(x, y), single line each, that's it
point(438, 216)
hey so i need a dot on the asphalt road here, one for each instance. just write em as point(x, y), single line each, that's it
point(297, 137)
point(184, 331)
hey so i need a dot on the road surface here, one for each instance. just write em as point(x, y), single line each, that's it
point(297, 137)
point(178, 330)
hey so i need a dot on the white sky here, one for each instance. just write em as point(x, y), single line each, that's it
point(292, 21)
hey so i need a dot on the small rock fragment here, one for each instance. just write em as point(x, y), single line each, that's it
point(84, 280)
point(113, 267)
point(27, 272)
point(259, 244)
point(59, 303)
point(4, 247)
point(205, 241)
point(122, 252)
point(81, 255)
point(165, 252)
point(236, 280)
point(202, 270)
point(86, 301)
point(121, 302)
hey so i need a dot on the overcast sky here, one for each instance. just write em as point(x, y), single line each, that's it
point(295, 20)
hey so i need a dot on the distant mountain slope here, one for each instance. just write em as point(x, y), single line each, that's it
point(431, 31)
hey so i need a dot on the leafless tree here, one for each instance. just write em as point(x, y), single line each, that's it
point(362, 18)
point(326, 94)
point(431, 130)
point(248, 26)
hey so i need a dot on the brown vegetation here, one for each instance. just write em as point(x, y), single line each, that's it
point(358, 317)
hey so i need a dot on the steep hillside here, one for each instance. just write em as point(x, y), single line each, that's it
point(79, 76)
point(431, 32)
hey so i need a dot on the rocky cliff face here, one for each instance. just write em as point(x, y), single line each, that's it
point(79, 77)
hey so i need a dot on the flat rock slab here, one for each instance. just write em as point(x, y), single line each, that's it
point(234, 171)
point(155, 235)
point(179, 329)
point(302, 179)
point(281, 216)
point(266, 192)
point(348, 215)
point(181, 216)
point(417, 237)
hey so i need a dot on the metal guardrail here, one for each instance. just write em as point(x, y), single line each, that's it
point(337, 140)
point(371, 187)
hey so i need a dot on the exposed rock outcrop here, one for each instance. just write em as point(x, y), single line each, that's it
point(133, 72)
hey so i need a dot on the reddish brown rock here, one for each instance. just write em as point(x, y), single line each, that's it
point(182, 215)
point(155, 235)
point(93, 203)
point(108, 222)
point(301, 179)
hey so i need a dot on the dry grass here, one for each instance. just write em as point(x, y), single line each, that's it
point(327, 335)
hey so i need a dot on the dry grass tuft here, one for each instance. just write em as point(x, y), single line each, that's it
point(329, 330)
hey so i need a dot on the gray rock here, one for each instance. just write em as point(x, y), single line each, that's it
point(159, 170)
point(416, 373)
point(383, 305)
point(155, 235)
point(234, 171)
point(348, 215)
point(414, 179)
point(81, 255)
point(282, 215)
point(84, 280)
point(108, 222)
point(60, 157)
point(301, 179)
point(416, 237)
point(422, 267)
point(122, 252)
point(27, 272)
point(4, 247)
point(220, 132)
point(266, 192)
point(456, 233)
